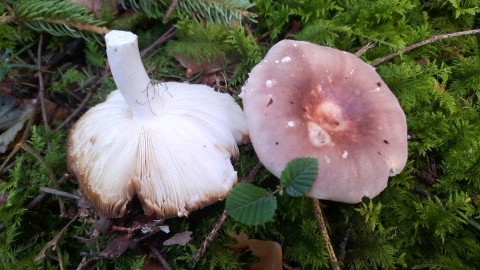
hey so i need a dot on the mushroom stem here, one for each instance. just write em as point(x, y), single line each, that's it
point(129, 73)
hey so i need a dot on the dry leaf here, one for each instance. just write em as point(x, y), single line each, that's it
point(269, 252)
point(179, 239)
point(13, 116)
point(194, 67)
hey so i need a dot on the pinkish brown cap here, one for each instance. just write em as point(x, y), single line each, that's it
point(306, 100)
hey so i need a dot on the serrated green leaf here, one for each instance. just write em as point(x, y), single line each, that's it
point(299, 175)
point(250, 205)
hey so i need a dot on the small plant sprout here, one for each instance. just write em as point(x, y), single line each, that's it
point(305, 100)
point(169, 143)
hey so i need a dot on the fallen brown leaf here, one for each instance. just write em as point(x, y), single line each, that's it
point(269, 252)
point(179, 239)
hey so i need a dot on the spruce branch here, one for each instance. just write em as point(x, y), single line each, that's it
point(425, 42)
point(56, 17)
point(226, 12)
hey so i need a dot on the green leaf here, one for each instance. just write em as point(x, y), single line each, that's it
point(250, 205)
point(298, 176)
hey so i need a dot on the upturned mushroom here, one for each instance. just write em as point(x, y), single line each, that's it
point(167, 143)
point(306, 100)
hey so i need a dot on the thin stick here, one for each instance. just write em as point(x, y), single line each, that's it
point(40, 197)
point(166, 36)
point(50, 173)
point(41, 86)
point(221, 220)
point(425, 42)
point(160, 258)
point(346, 237)
point(364, 49)
point(323, 230)
point(210, 237)
point(170, 10)
point(59, 193)
point(53, 244)
point(84, 101)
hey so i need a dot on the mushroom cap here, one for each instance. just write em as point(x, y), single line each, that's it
point(176, 163)
point(306, 100)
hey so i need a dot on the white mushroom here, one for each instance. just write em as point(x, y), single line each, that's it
point(169, 143)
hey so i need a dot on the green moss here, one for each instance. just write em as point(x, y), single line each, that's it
point(427, 218)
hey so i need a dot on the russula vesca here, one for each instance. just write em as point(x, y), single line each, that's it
point(167, 143)
point(306, 100)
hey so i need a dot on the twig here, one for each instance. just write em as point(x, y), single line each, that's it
point(159, 257)
point(84, 101)
point(40, 197)
point(364, 49)
point(54, 244)
point(323, 230)
point(11, 17)
point(49, 171)
point(425, 42)
point(166, 36)
point(251, 175)
point(170, 10)
point(424, 192)
point(346, 237)
point(41, 86)
point(221, 220)
point(59, 193)
point(210, 237)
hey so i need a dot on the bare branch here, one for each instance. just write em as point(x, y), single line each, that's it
point(425, 42)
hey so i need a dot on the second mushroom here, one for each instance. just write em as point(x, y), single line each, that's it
point(306, 100)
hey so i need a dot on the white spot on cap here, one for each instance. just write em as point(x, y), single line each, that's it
point(375, 90)
point(276, 61)
point(291, 123)
point(294, 44)
point(319, 88)
point(327, 159)
point(351, 71)
point(270, 83)
point(345, 154)
point(303, 55)
point(317, 135)
point(286, 59)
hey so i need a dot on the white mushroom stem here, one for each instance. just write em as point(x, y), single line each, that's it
point(129, 73)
